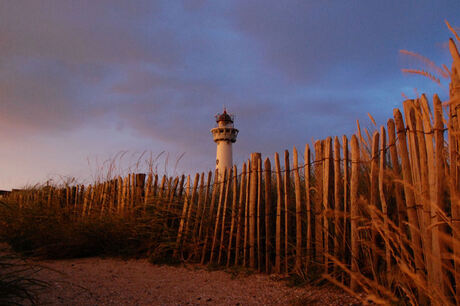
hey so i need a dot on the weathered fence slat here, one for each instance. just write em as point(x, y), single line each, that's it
point(355, 158)
point(278, 214)
point(298, 211)
point(268, 210)
point(241, 211)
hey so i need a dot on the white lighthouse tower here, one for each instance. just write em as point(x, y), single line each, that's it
point(224, 135)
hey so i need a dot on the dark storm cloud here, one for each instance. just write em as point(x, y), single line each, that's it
point(307, 39)
point(289, 70)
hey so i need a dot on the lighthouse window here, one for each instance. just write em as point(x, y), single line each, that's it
point(217, 161)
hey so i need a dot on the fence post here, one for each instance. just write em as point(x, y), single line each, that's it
point(346, 195)
point(259, 212)
point(268, 184)
point(383, 202)
point(327, 153)
point(278, 214)
point(338, 207)
point(182, 219)
point(307, 170)
point(240, 214)
point(374, 196)
point(224, 213)
point(205, 207)
point(209, 218)
point(355, 159)
point(221, 181)
point(409, 195)
point(318, 200)
point(401, 208)
point(298, 211)
point(287, 207)
point(252, 208)
point(233, 211)
point(246, 214)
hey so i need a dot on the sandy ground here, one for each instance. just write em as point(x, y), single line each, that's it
point(97, 281)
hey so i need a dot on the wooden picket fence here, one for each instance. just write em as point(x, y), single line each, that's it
point(359, 206)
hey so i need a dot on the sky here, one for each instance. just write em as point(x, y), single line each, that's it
point(91, 86)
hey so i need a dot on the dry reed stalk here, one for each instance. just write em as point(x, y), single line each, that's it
point(427, 62)
point(424, 73)
point(210, 216)
point(318, 200)
point(287, 206)
point(222, 182)
point(298, 211)
point(355, 158)
point(224, 213)
point(240, 214)
point(307, 170)
point(369, 138)
point(452, 30)
point(268, 184)
point(233, 211)
point(278, 214)
point(252, 209)
point(365, 144)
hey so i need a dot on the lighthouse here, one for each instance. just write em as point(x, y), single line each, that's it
point(224, 135)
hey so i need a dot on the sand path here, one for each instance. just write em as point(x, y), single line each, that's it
point(97, 281)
